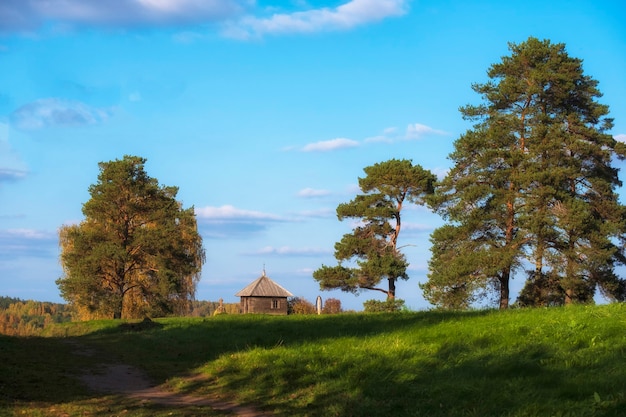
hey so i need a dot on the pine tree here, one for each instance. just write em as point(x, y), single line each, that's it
point(532, 184)
point(386, 188)
point(137, 253)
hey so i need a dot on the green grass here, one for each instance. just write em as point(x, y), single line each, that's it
point(533, 362)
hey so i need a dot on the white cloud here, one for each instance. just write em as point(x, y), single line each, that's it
point(440, 172)
point(27, 243)
point(330, 145)
point(25, 15)
point(346, 16)
point(417, 131)
point(52, 112)
point(312, 193)
point(413, 131)
point(289, 251)
point(229, 222)
point(621, 137)
point(230, 213)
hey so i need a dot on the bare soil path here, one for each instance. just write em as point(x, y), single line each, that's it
point(116, 378)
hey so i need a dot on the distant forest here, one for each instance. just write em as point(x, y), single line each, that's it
point(28, 318)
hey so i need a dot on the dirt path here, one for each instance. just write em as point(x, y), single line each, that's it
point(132, 382)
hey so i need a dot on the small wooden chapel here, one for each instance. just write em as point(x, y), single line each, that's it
point(264, 296)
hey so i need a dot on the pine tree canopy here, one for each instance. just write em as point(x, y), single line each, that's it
point(137, 253)
point(532, 188)
point(373, 245)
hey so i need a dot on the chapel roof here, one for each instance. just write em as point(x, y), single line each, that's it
point(263, 287)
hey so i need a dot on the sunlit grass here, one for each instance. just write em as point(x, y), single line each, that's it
point(543, 362)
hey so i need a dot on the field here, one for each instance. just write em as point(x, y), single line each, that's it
point(532, 362)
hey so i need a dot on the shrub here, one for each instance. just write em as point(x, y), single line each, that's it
point(332, 306)
point(387, 306)
point(297, 305)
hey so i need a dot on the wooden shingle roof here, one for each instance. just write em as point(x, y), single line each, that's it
point(263, 287)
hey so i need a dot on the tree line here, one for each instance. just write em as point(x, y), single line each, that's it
point(28, 318)
point(532, 192)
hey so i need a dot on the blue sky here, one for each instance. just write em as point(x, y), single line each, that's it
point(263, 113)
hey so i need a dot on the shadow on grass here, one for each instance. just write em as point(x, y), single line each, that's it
point(45, 370)
point(40, 377)
point(281, 363)
point(454, 381)
point(181, 345)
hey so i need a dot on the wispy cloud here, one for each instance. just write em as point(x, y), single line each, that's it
point(229, 213)
point(241, 19)
point(11, 166)
point(418, 131)
point(416, 228)
point(621, 137)
point(27, 243)
point(289, 251)
point(7, 174)
point(24, 15)
point(413, 131)
point(230, 222)
point(346, 16)
point(56, 112)
point(312, 193)
point(330, 145)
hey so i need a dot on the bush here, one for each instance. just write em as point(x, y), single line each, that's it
point(297, 305)
point(332, 306)
point(387, 306)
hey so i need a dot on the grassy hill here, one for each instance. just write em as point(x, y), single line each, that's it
point(531, 362)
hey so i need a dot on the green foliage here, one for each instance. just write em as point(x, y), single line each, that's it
point(532, 184)
point(543, 290)
point(5, 302)
point(387, 187)
point(137, 253)
point(515, 363)
point(387, 306)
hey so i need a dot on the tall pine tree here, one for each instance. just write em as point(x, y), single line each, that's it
point(532, 184)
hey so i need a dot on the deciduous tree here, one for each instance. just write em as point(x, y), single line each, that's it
point(137, 253)
point(332, 306)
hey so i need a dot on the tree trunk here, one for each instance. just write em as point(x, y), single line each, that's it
point(504, 288)
point(392, 289)
point(117, 313)
point(569, 296)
